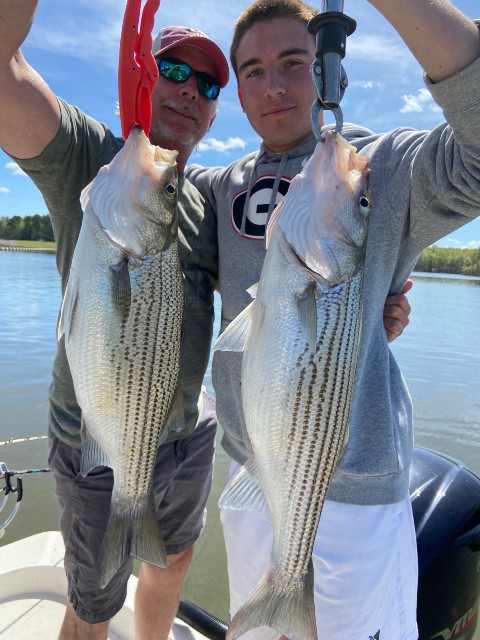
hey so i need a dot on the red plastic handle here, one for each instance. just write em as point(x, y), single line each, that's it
point(137, 69)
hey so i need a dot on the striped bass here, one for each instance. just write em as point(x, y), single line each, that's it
point(121, 318)
point(300, 340)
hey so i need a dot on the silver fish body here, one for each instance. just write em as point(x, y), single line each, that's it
point(300, 337)
point(122, 318)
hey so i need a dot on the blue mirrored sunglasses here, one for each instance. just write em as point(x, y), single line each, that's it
point(178, 71)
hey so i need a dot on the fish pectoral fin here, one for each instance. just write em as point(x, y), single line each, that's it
point(92, 453)
point(245, 492)
point(67, 311)
point(235, 335)
point(307, 310)
point(121, 290)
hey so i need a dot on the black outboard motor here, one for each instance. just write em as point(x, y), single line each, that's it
point(446, 509)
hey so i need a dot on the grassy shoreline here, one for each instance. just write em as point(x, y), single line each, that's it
point(27, 244)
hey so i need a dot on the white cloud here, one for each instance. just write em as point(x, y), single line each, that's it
point(57, 30)
point(367, 85)
point(4, 190)
point(419, 103)
point(458, 244)
point(15, 169)
point(379, 49)
point(70, 32)
point(212, 144)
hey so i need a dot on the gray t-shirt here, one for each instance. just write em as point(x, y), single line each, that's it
point(73, 158)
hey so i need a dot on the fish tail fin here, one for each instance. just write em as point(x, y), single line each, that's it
point(290, 611)
point(130, 532)
point(147, 541)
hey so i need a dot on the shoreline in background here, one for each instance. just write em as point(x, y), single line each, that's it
point(28, 245)
point(433, 260)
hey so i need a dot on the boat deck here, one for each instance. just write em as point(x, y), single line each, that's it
point(33, 594)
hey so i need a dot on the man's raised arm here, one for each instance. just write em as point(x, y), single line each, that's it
point(29, 111)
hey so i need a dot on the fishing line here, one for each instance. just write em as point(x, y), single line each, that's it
point(26, 439)
point(11, 472)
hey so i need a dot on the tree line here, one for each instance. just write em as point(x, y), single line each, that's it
point(34, 227)
point(433, 260)
point(465, 262)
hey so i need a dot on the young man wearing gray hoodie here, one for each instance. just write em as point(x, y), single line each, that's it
point(423, 186)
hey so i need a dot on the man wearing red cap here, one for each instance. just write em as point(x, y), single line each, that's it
point(62, 149)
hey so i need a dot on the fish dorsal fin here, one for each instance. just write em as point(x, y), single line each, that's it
point(92, 453)
point(307, 309)
point(235, 335)
point(245, 492)
point(273, 221)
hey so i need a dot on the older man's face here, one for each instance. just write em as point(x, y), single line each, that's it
point(180, 114)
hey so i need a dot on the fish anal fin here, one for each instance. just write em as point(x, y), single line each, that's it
point(245, 492)
point(235, 335)
point(92, 453)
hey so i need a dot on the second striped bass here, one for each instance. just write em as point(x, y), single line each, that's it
point(300, 340)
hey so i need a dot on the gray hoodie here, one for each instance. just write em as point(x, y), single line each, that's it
point(423, 186)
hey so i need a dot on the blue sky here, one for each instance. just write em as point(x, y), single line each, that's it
point(74, 46)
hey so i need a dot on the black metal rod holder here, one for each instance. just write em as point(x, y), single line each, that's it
point(331, 29)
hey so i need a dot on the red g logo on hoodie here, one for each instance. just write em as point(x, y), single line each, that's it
point(252, 223)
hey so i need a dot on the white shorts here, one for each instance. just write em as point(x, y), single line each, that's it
point(365, 564)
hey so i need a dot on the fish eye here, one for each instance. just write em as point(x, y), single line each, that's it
point(364, 204)
point(170, 189)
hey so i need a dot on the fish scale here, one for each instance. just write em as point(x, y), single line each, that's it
point(300, 339)
point(151, 382)
point(329, 425)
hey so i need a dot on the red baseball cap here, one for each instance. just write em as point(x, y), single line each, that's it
point(171, 37)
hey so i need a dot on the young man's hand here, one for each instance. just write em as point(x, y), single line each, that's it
point(396, 311)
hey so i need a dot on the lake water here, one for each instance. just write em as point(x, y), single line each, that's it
point(439, 354)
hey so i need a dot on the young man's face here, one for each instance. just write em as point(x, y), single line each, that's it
point(274, 83)
point(181, 116)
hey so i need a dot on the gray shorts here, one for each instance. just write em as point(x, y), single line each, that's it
point(181, 482)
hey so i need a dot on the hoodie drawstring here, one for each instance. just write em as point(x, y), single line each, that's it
point(281, 167)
